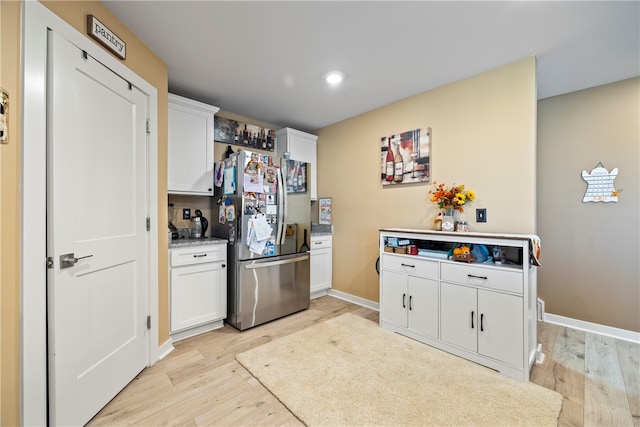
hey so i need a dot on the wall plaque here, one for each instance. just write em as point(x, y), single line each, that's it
point(600, 186)
point(106, 37)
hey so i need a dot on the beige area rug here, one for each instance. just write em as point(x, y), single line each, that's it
point(347, 371)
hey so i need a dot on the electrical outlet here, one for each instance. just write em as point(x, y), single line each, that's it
point(186, 213)
point(481, 215)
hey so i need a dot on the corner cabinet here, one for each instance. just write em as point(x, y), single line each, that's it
point(301, 146)
point(190, 154)
point(484, 312)
point(321, 266)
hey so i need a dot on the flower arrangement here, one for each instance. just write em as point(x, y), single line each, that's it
point(454, 197)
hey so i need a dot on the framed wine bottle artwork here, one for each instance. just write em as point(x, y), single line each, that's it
point(230, 131)
point(405, 157)
point(295, 176)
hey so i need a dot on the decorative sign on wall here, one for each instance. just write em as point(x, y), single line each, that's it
point(106, 37)
point(404, 157)
point(600, 186)
point(4, 116)
point(324, 210)
point(233, 132)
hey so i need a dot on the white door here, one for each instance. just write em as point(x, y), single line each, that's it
point(96, 213)
point(459, 315)
point(501, 327)
point(394, 298)
point(423, 306)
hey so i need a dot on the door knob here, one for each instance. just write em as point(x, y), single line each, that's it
point(69, 260)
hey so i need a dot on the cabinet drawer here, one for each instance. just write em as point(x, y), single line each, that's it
point(487, 277)
point(411, 265)
point(318, 242)
point(197, 255)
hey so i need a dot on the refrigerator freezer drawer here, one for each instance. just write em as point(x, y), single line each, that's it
point(267, 289)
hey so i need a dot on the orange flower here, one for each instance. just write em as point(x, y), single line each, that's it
point(454, 197)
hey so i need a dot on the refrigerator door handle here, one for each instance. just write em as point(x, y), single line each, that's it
point(272, 263)
point(282, 208)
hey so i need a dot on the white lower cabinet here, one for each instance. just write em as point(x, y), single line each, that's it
point(321, 266)
point(486, 322)
point(410, 302)
point(198, 289)
point(484, 312)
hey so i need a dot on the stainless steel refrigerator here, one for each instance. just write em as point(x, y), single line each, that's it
point(263, 207)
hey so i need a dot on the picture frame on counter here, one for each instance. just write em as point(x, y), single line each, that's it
point(229, 131)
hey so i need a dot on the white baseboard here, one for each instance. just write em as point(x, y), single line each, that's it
point(354, 299)
point(319, 294)
point(188, 333)
point(164, 349)
point(621, 334)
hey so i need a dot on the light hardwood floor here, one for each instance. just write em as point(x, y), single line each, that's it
point(201, 384)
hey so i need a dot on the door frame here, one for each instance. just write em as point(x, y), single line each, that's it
point(36, 20)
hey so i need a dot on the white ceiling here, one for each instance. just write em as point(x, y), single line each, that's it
point(266, 59)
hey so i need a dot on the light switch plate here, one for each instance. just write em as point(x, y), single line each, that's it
point(481, 215)
point(186, 213)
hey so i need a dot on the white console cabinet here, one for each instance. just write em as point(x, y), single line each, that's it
point(190, 157)
point(484, 312)
point(301, 146)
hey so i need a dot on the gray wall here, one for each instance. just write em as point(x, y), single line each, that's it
point(590, 251)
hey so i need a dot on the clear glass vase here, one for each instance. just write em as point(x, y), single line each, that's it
point(448, 219)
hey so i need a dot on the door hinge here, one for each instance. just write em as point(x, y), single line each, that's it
point(148, 224)
point(148, 126)
point(148, 322)
point(49, 262)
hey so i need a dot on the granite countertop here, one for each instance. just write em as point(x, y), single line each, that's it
point(186, 242)
point(321, 229)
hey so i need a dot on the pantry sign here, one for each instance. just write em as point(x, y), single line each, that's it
point(106, 37)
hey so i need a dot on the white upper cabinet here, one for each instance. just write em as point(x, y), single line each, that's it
point(302, 146)
point(190, 157)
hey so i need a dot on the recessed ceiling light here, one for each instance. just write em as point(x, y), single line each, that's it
point(334, 77)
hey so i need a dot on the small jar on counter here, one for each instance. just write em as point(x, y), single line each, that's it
point(462, 226)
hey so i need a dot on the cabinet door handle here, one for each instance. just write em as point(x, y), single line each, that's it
point(477, 277)
point(481, 322)
point(408, 265)
point(199, 255)
point(472, 320)
point(410, 302)
point(404, 299)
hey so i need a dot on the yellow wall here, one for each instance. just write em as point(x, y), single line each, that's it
point(483, 136)
point(147, 65)
point(590, 268)
point(9, 216)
